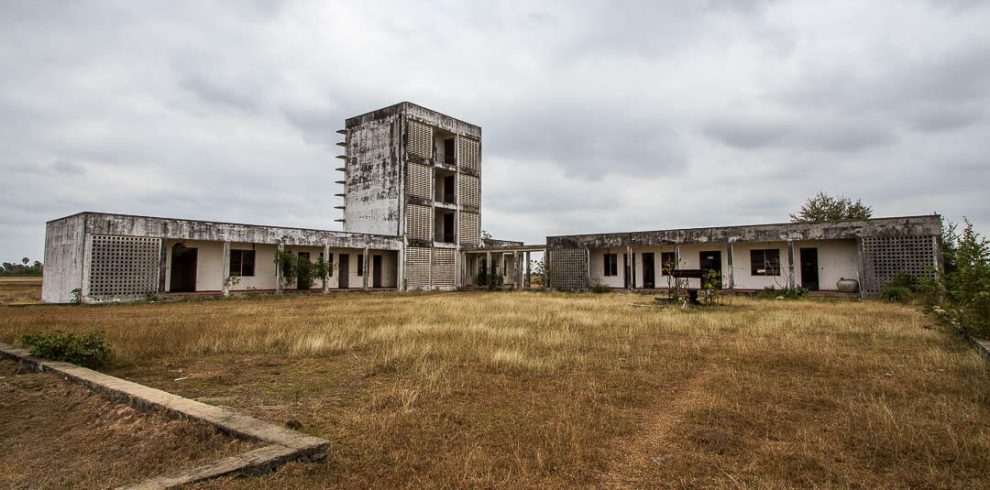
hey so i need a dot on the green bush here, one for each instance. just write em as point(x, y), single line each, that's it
point(90, 350)
point(900, 294)
point(966, 279)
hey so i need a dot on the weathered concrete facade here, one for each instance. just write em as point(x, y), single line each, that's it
point(99, 257)
point(412, 218)
point(871, 251)
point(411, 203)
point(415, 173)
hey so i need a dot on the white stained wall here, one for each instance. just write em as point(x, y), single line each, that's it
point(355, 281)
point(209, 264)
point(743, 266)
point(837, 259)
point(264, 267)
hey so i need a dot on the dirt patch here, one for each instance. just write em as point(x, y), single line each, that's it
point(59, 435)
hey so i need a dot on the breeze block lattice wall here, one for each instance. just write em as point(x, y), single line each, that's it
point(569, 268)
point(886, 257)
point(123, 266)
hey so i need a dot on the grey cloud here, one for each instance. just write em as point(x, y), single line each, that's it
point(67, 167)
point(799, 135)
point(648, 115)
point(589, 142)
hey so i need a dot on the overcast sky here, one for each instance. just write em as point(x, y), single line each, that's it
point(596, 116)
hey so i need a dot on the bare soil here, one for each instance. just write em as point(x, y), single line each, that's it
point(59, 435)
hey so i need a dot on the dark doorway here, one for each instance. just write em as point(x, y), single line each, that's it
point(304, 281)
point(448, 189)
point(448, 151)
point(448, 228)
point(376, 271)
point(183, 278)
point(649, 279)
point(711, 261)
point(343, 280)
point(809, 269)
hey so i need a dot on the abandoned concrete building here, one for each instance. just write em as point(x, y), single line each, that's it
point(411, 206)
point(816, 256)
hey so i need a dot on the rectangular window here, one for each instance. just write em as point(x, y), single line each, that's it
point(667, 262)
point(360, 269)
point(765, 262)
point(242, 263)
point(611, 264)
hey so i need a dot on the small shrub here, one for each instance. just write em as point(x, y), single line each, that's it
point(899, 294)
point(90, 350)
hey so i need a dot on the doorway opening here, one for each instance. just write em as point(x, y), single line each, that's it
point(344, 263)
point(809, 269)
point(649, 276)
point(183, 279)
point(711, 261)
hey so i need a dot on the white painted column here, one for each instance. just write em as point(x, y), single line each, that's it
point(225, 269)
point(630, 269)
point(732, 260)
point(326, 260)
point(790, 264)
point(278, 267)
point(364, 277)
point(529, 271)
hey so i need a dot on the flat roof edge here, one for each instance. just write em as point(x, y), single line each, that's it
point(100, 213)
point(755, 225)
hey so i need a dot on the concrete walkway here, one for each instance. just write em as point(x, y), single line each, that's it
point(284, 444)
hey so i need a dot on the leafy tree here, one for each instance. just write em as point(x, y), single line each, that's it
point(824, 207)
point(14, 269)
point(967, 280)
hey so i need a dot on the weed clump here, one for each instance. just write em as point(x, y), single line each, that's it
point(90, 350)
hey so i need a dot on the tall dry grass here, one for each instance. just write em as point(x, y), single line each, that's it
point(526, 389)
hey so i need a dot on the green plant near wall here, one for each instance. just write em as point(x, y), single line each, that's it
point(304, 272)
point(321, 269)
point(286, 262)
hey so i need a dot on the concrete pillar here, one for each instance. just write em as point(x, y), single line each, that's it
point(546, 270)
point(790, 263)
point(587, 267)
point(488, 266)
point(278, 267)
point(364, 260)
point(163, 263)
point(400, 273)
point(225, 269)
point(519, 269)
point(630, 270)
point(732, 276)
point(326, 260)
point(529, 271)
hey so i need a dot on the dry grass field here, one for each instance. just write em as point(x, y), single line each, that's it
point(516, 390)
point(20, 290)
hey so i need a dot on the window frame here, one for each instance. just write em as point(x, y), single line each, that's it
point(240, 254)
point(768, 258)
point(610, 265)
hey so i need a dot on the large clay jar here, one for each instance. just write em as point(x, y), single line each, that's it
point(847, 285)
